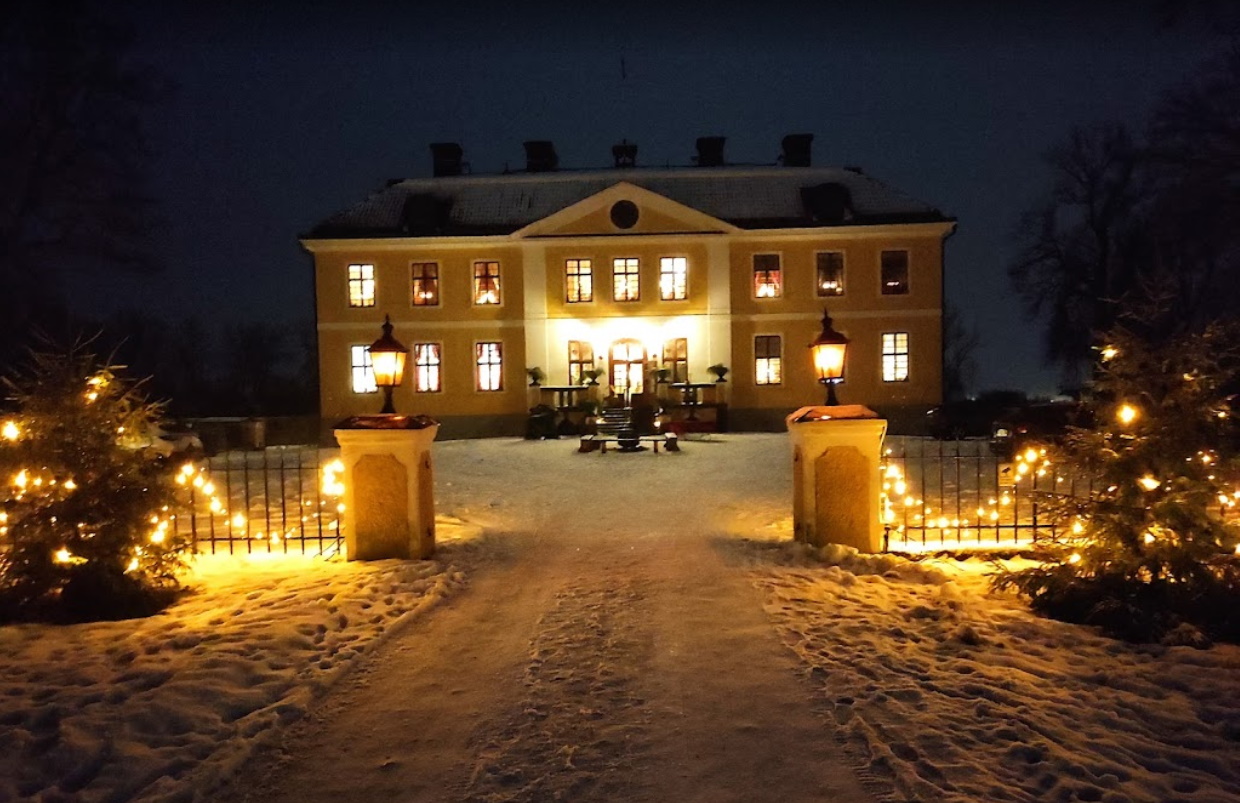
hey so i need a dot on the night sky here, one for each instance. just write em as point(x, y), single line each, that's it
point(284, 115)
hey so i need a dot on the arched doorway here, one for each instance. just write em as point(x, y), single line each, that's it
point(628, 367)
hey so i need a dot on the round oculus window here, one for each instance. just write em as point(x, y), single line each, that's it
point(624, 214)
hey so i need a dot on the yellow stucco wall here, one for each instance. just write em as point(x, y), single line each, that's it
point(862, 313)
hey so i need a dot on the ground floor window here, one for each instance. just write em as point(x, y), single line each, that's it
point(426, 368)
point(580, 360)
point(363, 375)
point(490, 366)
point(895, 356)
point(676, 359)
point(768, 354)
point(628, 366)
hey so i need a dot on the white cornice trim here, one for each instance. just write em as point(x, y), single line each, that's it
point(698, 220)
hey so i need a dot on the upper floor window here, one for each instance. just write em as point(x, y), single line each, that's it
point(768, 364)
point(676, 359)
point(830, 278)
point(426, 368)
point(580, 360)
point(895, 273)
point(361, 285)
point(673, 278)
point(486, 283)
point(425, 284)
point(626, 282)
point(360, 371)
point(768, 276)
point(578, 280)
point(489, 366)
point(895, 356)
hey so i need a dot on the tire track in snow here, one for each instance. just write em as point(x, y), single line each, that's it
point(580, 728)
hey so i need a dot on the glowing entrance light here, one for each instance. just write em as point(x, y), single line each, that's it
point(387, 359)
point(829, 350)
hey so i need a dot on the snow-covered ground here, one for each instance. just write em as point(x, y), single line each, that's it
point(942, 690)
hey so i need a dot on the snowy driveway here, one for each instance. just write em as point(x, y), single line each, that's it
point(604, 651)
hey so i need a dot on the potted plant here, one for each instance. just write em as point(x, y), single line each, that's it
point(536, 376)
point(662, 375)
point(592, 374)
point(719, 370)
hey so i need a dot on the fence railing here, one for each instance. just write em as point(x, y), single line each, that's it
point(958, 495)
point(268, 500)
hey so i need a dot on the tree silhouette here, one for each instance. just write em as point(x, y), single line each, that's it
point(72, 147)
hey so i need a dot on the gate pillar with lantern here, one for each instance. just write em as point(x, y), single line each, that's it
point(836, 476)
point(389, 497)
point(389, 502)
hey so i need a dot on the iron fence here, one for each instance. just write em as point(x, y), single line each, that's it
point(958, 495)
point(268, 500)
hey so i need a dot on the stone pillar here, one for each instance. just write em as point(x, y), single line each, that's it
point(836, 483)
point(389, 504)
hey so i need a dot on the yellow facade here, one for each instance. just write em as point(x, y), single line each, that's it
point(718, 319)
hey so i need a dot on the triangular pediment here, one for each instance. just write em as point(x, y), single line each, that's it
point(625, 209)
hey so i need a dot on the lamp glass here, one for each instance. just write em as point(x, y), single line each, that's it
point(829, 360)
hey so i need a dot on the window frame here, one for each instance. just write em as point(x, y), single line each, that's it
point(818, 274)
point(776, 360)
point(895, 357)
point(498, 285)
point(364, 366)
point(678, 280)
point(581, 364)
point(676, 358)
point(414, 293)
point(778, 270)
point(585, 268)
point(355, 287)
point(497, 366)
point(906, 286)
point(632, 278)
point(418, 365)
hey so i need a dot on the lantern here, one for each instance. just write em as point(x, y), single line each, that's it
point(829, 349)
point(387, 360)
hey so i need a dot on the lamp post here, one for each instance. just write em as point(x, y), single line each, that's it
point(829, 349)
point(387, 360)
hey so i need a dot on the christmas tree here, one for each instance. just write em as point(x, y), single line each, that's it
point(1150, 550)
point(87, 522)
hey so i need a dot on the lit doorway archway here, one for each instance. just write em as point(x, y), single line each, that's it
point(628, 367)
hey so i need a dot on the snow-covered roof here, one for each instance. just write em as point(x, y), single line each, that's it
point(747, 197)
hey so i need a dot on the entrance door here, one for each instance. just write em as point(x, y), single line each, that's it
point(628, 367)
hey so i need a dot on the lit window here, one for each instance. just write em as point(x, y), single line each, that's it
point(580, 360)
point(486, 283)
point(830, 273)
point(363, 375)
point(626, 283)
point(768, 280)
point(628, 366)
point(361, 285)
point(426, 366)
point(673, 278)
point(895, 356)
point(490, 366)
point(768, 368)
point(578, 280)
point(676, 359)
point(895, 273)
point(425, 284)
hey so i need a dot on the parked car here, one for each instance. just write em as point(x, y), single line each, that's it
point(168, 440)
point(1035, 425)
point(971, 418)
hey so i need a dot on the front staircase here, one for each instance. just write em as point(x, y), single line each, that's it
point(613, 420)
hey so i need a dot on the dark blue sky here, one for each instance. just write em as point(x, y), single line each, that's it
point(286, 114)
